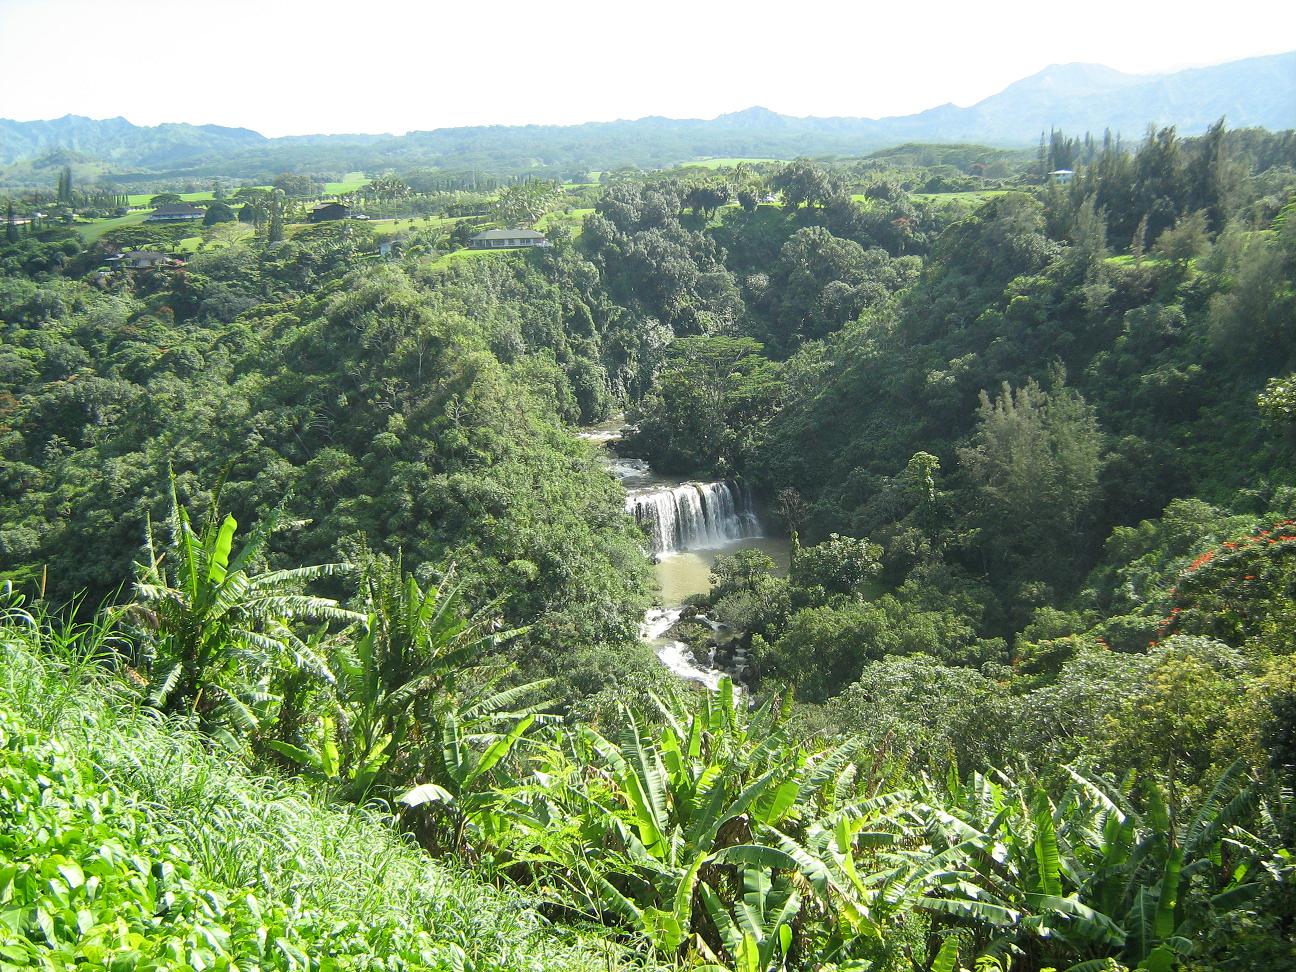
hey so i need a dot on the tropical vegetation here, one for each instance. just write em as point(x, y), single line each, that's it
point(321, 619)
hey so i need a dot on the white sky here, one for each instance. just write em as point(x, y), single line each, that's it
point(295, 67)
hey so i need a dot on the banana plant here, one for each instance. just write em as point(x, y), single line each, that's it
point(213, 624)
point(758, 936)
point(320, 758)
point(394, 683)
point(660, 819)
point(476, 737)
point(1088, 876)
point(417, 644)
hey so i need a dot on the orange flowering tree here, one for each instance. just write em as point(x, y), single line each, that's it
point(1243, 592)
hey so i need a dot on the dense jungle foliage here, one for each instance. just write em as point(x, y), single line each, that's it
point(1024, 698)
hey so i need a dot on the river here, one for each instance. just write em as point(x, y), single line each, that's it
point(690, 524)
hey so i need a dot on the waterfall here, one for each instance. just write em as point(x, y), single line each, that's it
point(675, 654)
point(694, 516)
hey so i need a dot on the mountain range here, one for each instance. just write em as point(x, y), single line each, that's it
point(1255, 92)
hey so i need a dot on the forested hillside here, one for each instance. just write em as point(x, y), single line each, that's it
point(1022, 699)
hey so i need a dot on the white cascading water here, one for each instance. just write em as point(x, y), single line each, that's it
point(691, 516)
point(694, 516)
point(675, 655)
point(679, 518)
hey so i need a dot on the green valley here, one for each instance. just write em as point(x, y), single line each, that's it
point(651, 559)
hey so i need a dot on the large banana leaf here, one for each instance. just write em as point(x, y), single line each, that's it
point(1168, 895)
point(1046, 848)
point(947, 958)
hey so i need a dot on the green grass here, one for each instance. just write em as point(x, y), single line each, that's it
point(1127, 260)
point(142, 198)
point(197, 861)
point(573, 219)
point(92, 230)
point(383, 228)
point(349, 183)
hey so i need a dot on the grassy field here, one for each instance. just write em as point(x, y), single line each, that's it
point(1127, 260)
point(94, 229)
point(383, 228)
point(350, 183)
point(573, 219)
point(258, 871)
point(97, 228)
point(142, 198)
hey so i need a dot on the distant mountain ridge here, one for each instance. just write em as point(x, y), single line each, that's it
point(1255, 92)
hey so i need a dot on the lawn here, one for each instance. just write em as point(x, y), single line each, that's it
point(573, 219)
point(350, 183)
point(142, 198)
point(1127, 260)
point(383, 228)
point(92, 230)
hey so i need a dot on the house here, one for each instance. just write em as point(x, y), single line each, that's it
point(1061, 176)
point(501, 238)
point(325, 212)
point(140, 259)
point(175, 213)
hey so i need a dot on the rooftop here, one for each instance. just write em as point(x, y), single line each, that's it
point(509, 234)
point(178, 209)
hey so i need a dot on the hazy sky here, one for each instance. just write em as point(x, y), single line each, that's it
point(291, 67)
